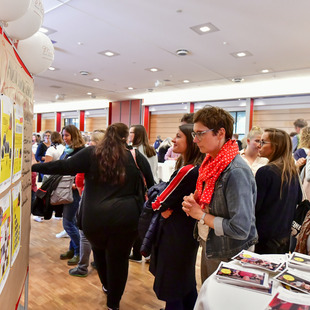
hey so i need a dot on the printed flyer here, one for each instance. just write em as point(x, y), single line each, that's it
point(6, 142)
point(5, 223)
point(16, 220)
point(18, 142)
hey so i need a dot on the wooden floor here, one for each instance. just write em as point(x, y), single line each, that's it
point(52, 288)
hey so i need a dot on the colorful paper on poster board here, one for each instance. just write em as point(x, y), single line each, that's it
point(5, 227)
point(6, 142)
point(16, 220)
point(18, 142)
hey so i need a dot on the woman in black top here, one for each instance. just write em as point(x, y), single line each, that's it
point(278, 193)
point(109, 206)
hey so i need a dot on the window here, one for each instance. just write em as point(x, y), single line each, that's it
point(72, 121)
point(239, 125)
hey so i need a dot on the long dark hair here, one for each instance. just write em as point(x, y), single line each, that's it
point(192, 155)
point(141, 138)
point(111, 154)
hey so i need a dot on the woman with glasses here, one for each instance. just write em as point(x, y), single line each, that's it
point(250, 154)
point(225, 192)
point(278, 193)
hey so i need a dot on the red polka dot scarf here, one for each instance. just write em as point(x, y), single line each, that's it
point(211, 169)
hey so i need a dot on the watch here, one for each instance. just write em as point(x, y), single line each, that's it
point(201, 221)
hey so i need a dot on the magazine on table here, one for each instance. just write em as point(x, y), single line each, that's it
point(250, 259)
point(232, 274)
point(296, 279)
point(301, 261)
point(285, 300)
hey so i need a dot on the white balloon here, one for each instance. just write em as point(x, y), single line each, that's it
point(28, 24)
point(13, 9)
point(37, 52)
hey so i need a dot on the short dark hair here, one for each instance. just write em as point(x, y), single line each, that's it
point(215, 118)
point(300, 123)
point(188, 118)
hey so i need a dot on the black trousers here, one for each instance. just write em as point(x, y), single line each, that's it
point(273, 246)
point(111, 254)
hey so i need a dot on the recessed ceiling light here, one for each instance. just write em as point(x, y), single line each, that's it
point(84, 72)
point(182, 52)
point(89, 93)
point(241, 54)
point(51, 68)
point(96, 80)
point(80, 43)
point(108, 53)
point(204, 28)
point(130, 88)
point(237, 80)
point(153, 69)
point(185, 81)
point(265, 71)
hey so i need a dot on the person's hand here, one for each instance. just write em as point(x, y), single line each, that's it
point(191, 207)
point(300, 162)
point(166, 213)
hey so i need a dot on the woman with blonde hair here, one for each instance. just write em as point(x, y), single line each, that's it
point(278, 193)
point(250, 154)
point(304, 144)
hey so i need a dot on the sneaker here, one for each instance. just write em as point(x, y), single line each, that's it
point(38, 219)
point(93, 264)
point(76, 272)
point(148, 259)
point(62, 234)
point(68, 255)
point(135, 259)
point(57, 217)
point(74, 260)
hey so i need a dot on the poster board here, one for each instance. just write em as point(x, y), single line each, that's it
point(16, 84)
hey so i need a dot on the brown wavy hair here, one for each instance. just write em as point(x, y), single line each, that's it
point(141, 138)
point(192, 155)
point(282, 154)
point(77, 140)
point(111, 154)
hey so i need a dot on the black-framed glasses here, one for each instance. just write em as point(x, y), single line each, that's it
point(262, 142)
point(199, 134)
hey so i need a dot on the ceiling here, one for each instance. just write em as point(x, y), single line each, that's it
point(147, 34)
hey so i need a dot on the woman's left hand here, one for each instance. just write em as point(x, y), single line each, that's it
point(166, 213)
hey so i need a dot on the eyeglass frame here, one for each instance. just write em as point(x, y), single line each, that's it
point(262, 143)
point(199, 134)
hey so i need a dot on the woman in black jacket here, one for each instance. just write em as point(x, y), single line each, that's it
point(109, 206)
point(174, 254)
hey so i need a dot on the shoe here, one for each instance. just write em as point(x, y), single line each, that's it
point(77, 273)
point(74, 260)
point(135, 259)
point(93, 264)
point(38, 219)
point(57, 218)
point(104, 290)
point(68, 255)
point(62, 234)
point(148, 259)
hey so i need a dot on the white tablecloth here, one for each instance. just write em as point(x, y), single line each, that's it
point(214, 295)
point(166, 169)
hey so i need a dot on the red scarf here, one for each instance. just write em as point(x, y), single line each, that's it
point(211, 169)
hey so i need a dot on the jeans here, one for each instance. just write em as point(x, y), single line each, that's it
point(69, 222)
point(85, 249)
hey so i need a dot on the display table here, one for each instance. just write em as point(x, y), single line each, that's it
point(166, 169)
point(214, 295)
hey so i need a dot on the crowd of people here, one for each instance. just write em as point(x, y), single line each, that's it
point(218, 197)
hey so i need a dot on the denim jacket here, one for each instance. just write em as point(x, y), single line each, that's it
point(233, 205)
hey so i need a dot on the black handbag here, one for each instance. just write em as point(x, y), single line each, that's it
point(302, 209)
